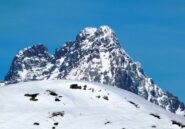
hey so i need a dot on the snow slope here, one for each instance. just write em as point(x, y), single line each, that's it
point(56, 104)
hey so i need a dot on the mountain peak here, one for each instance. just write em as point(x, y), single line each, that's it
point(92, 32)
point(106, 30)
point(29, 64)
point(86, 33)
point(94, 56)
point(35, 50)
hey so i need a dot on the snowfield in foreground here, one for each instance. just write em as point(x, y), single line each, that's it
point(79, 105)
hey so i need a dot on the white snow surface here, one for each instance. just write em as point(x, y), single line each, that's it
point(83, 108)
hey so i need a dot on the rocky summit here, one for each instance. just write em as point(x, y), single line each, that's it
point(96, 56)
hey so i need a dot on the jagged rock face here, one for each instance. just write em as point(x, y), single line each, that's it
point(30, 64)
point(95, 56)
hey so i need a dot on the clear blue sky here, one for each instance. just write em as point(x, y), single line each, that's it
point(151, 31)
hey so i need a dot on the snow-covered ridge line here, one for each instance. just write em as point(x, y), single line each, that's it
point(94, 56)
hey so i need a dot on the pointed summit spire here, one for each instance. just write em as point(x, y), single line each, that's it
point(105, 30)
point(103, 36)
point(89, 32)
point(86, 33)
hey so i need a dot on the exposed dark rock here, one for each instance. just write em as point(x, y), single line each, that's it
point(153, 126)
point(56, 123)
point(155, 115)
point(75, 86)
point(98, 96)
point(108, 122)
point(136, 105)
point(55, 114)
point(32, 96)
point(52, 93)
point(36, 123)
point(178, 124)
point(57, 99)
point(106, 97)
point(85, 87)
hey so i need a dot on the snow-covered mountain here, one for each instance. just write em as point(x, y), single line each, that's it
point(65, 104)
point(29, 64)
point(94, 56)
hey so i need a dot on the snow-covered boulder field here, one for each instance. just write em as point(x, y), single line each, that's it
point(69, 104)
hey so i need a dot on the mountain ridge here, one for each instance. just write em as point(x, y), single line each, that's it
point(96, 56)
